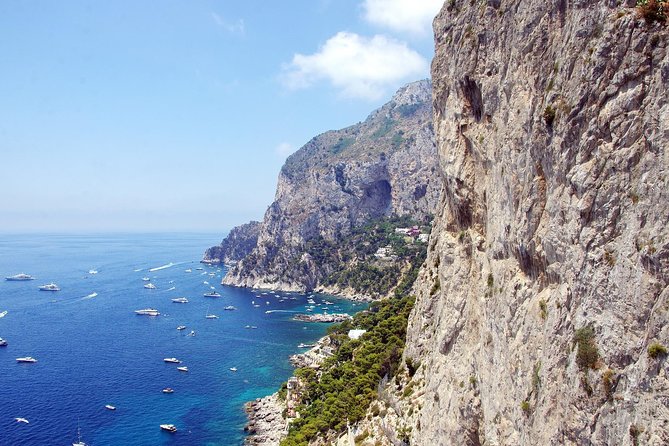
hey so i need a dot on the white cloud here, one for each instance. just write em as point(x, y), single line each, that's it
point(409, 16)
point(358, 66)
point(284, 149)
point(236, 27)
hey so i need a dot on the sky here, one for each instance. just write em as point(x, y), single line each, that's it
point(166, 115)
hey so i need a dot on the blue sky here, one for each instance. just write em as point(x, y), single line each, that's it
point(173, 115)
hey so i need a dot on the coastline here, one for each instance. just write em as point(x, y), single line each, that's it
point(266, 424)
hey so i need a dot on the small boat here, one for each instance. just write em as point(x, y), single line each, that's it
point(145, 279)
point(302, 345)
point(3, 314)
point(150, 286)
point(26, 359)
point(19, 277)
point(49, 287)
point(327, 302)
point(181, 327)
point(169, 428)
point(79, 442)
point(199, 268)
point(92, 271)
point(109, 407)
point(180, 300)
point(172, 360)
point(21, 420)
point(192, 333)
point(148, 312)
point(3, 343)
point(182, 369)
point(230, 308)
point(188, 270)
point(205, 283)
point(256, 306)
point(211, 316)
point(212, 294)
point(233, 369)
point(168, 390)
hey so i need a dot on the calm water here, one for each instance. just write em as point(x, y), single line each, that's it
point(93, 351)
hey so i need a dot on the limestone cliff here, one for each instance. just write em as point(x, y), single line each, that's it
point(341, 179)
point(551, 244)
point(237, 244)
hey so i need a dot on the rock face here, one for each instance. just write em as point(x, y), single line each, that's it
point(383, 166)
point(238, 244)
point(552, 126)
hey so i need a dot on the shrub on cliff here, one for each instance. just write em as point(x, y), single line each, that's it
point(653, 10)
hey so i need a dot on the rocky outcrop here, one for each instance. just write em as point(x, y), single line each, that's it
point(341, 179)
point(551, 244)
point(237, 244)
point(266, 424)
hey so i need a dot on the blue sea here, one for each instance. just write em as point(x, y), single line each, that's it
point(93, 350)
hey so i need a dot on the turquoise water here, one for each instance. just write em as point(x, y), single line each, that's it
point(93, 351)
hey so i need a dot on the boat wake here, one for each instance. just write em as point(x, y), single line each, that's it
point(90, 296)
point(170, 289)
point(158, 268)
point(280, 311)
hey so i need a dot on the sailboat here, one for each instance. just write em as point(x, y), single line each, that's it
point(79, 442)
point(210, 315)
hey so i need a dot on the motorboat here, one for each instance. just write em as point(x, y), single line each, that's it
point(147, 312)
point(181, 327)
point(110, 407)
point(303, 345)
point(49, 287)
point(180, 300)
point(233, 369)
point(169, 428)
point(168, 390)
point(150, 286)
point(3, 314)
point(26, 359)
point(192, 333)
point(212, 294)
point(21, 420)
point(172, 360)
point(188, 270)
point(3, 343)
point(211, 316)
point(145, 279)
point(230, 308)
point(182, 369)
point(19, 277)
point(92, 271)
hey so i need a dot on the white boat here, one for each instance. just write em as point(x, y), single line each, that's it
point(3, 314)
point(172, 360)
point(145, 279)
point(79, 442)
point(150, 286)
point(233, 369)
point(211, 316)
point(19, 277)
point(49, 287)
point(148, 312)
point(180, 300)
point(110, 407)
point(188, 270)
point(169, 428)
point(3, 343)
point(21, 420)
point(168, 390)
point(212, 294)
point(306, 345)
point(92, 271)
point(181, 327)
point(26, 359)
point(192, 333)
point(182, 369)
point(230, 308)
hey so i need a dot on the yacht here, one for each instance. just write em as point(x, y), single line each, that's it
point(92, 271)
point(182, 369)
point(3, 343)
point(20, 277)
point(180, 300)
point(230, 308)
point(181, 327)
point(189, 270)
point(148, 312)
point(21, 420)
point(192, 333)
point(172, 360)
point(49, 287)
point(3, 314)
point(109, 407)
point(27, 359)
point(145, 279)
point(212, 294)
point(79, 442)
point(150, 286)
point(169, 428)
point(303, 345)
point(168, 390)
point(233, 369)
point(211, 316)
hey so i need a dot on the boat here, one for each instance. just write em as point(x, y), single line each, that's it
point(168, 390)
point(182, 369)
point(21, 420)
point(230, 308)
point(110, 407)
point(303, 345)
point(148, 312)
point(26, 359)
point(180, 300)
point(92, 271)
point(79, 442)
point(172, 360)
point(327, 302)
point(19, 277)
point(49, 287)
point(233, 369)
point(199, 269)
point(212, 294)
point(188, 270)
point(145, 279)
point(211, 316)
point(192, 333)
point(150, 286)
point(3, 343)
point(169, 428)
point(3, 314)
point(181, 327)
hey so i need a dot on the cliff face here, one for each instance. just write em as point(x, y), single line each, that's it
point(552, 126)
point(341, 179)
point(237, 244)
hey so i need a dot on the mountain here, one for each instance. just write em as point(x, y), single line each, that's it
point(237, 244)
point(381, 168)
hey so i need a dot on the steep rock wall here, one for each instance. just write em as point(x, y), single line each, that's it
point(237, 244)
point(552, 126)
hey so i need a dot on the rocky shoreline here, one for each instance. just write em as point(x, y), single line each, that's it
point(266, 424)
point(333, 317)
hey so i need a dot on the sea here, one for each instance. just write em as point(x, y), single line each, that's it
point(92, 349)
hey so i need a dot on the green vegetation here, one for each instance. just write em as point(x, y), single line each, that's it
point(525, 407)
point(543, 309)
point(549, 115)
point(656, 350)
point(349, 379)
point(587, 354)
point(386, 127)
point(342, 144)
point(407, 110)
point(607, 382)
point(653, 10)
